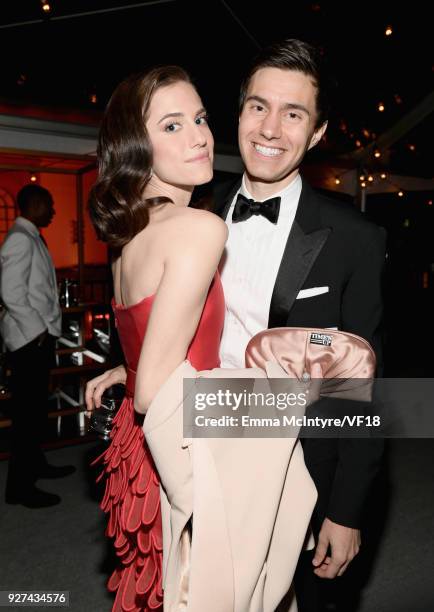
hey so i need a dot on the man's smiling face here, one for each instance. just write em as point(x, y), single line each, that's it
point(277, 124)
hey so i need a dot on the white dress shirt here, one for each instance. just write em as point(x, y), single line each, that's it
point(249, 268)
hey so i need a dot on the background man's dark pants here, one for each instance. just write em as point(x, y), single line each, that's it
point(30, 368)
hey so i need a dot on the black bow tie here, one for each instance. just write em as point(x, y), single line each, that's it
point(245, 208)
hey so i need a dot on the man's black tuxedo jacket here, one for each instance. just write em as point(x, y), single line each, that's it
point(330, 245)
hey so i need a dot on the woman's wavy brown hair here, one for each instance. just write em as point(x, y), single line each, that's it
point(117, 207)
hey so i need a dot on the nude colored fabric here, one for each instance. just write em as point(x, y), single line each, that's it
point(248, 527)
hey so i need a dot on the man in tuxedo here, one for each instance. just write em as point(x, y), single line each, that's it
point(297, 258)
point(29, 327)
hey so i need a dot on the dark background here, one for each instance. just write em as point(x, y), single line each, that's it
point(75, 57)
point(73, 54)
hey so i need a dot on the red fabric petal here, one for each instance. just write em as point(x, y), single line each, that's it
point(121, 540)
point(157, 539)
point(151, 504)
point(133, 444)
point(114, 580)
point(124, 551)
point(111, 525)
point(116, 459)
point(160, 582)
point(129, 556)
point(137, 458)
point(135, 514)
point(147, 576)
point(125, 479)
point(144, 541)
point(106, 498)
point(114, 484)
point(132, 501)
point(125, 432)
point(144, 476)
point(128, 589)
point(154, 602)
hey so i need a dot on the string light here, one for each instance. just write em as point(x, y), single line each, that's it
point(362, 177)
point(400, 193)
point(370, 178)
point(377, 153)
point(33, 178)
point(388, 31)
point(337, 181)
point(381, 107)
point(383, 175)
point(343, 126)
point(358, 143)
point(45, 6)
point(412, 147)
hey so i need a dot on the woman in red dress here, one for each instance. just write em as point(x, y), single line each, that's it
point(154, 147)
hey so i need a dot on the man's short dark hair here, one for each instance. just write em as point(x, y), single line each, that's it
point(292, 54)
point(31, 194)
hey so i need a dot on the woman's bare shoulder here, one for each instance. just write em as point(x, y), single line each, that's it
point(186, 222)
point(192, 236)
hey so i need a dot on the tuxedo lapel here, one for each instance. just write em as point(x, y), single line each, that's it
point(304, 244)
point(223, 196)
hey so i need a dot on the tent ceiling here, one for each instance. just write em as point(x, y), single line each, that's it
point(81, 52)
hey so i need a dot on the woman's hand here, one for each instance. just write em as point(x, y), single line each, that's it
point(96, 387)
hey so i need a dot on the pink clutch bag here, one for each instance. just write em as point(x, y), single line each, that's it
point(297, 349)
point(343, 358)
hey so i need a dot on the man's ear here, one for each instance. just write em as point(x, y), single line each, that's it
point(317, 135)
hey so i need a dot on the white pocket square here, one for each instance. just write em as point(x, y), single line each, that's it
point(307, 293)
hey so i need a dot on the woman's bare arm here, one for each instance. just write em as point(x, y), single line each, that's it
point(191, 262)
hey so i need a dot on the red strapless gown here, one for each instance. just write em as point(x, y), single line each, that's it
point(132, 495)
